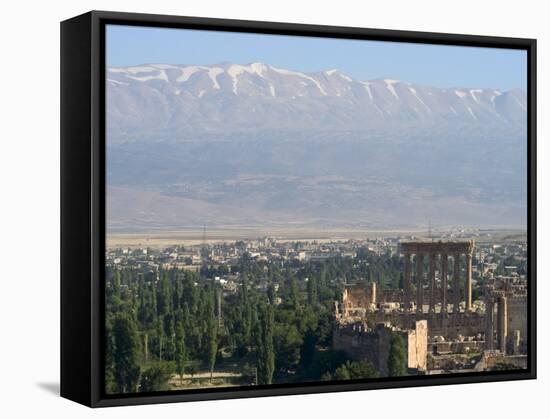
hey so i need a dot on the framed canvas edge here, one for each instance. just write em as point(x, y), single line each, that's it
point(97, 188)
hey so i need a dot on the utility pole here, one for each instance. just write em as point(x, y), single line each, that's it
point(146, 346)
point(219, 308)
point(203, 246)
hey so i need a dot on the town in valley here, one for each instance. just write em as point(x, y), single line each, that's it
point(259, 311)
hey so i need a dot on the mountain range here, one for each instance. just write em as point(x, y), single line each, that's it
point(256, 145)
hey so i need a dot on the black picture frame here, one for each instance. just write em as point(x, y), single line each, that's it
point(83, 209)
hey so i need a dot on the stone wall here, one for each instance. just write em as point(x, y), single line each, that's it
point(358, 298)
point(451, 327)
point(417, 345)
point(361, 344)
point(390, 295)
point(457, 347)
point(517, 324)
point(373, 345)
point(490, 359)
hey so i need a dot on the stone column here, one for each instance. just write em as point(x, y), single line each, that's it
point(502, 323)
point(444, 270)
point(516, 341)
point(489, 323)
point(456, 283)
point(419, 282)
point(468, 283)
point(432, 282)
point(407, 283)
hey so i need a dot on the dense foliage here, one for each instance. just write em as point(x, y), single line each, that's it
point(397, 362)
point(164, 327)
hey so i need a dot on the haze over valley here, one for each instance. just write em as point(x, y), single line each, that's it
point(232, 146)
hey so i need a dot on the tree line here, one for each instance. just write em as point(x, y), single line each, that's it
point(276, 326)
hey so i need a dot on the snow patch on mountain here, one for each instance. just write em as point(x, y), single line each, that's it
point(116, 82)
point(472, 113)
point(460, 94)
point(413, 91)
point(255, 69)
point(390, 86)
point(187, 72)
point(305, 76)
point(366, 85)
point(346, 78)
point(213, 73)
point(160, 75)
point(474, 92)
point(521, 105)
point(164, 66)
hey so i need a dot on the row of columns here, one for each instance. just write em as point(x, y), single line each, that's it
point(501, 323)
point(444, 261)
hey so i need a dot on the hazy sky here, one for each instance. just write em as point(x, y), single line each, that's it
point(433, 65)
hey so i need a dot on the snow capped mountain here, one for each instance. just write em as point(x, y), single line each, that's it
point(240, 145)
point(182, 98)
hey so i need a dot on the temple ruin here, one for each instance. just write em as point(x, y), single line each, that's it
point(436, 290)
point(439, 254)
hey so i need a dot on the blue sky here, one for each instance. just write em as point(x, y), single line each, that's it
point(433, 65)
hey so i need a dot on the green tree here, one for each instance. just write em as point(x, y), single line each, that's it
point(324, 363)
point(308, 349)
point(211, 336)
point(265, 350)
point(160, 335)
point(397, 360)
point(181, 352)
point(110, 385)
point(271, 293)
point(155, 378)
point(355, 370)
point(246, 310)
point(293, 294)
point(312, 291)
point(164, 297)
point(126, 353)
point(212, 346)
point(170, 334)
point(341, 373)
point(116, 283)
point(288, 343)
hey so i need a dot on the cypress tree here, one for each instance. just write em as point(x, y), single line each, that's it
point(116, 283)
point(211, 333)
point(312, 291)
point(126, 354)
point(265, 350)
point(181, 350)
point(211, 344)
point(397, 361)
point(160, 335)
